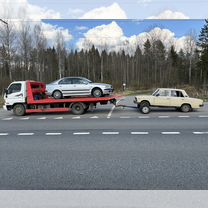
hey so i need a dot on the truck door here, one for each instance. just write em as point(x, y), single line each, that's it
point(15, 94)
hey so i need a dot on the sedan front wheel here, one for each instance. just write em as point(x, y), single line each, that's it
point(185, 108)
point(97, 93)
point(145, 107)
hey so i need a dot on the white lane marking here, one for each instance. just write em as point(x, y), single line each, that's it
point(199, 133)
point(183, 116)
point(25, 118)
point(53, 134)
point(94, 117)
point(41, 118)
point(76, 117)
point(110, 133)
point(203, 116)
point(125, 117)
point(143, 116)
point(7, 119)
point(4, 134)
point(58, 118)
point(81, 133)
point(170, 133)
point(139, 133)
point(163, 116)
point(25, 134)
point(112, 109)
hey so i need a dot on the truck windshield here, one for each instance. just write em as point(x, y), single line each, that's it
point(16, 87)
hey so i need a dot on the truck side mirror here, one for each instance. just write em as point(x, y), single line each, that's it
point(6, 91)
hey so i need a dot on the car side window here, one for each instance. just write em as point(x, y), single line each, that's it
point(176, 93)
point(173, 93)
point(65, 81)
point(164, 93)
point(78, 81)
point(14, 88)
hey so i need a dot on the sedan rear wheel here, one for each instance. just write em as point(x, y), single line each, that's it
point(57, 94)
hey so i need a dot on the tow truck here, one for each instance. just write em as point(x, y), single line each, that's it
point(26, 97)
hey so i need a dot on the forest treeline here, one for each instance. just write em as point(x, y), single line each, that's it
point(25, 55)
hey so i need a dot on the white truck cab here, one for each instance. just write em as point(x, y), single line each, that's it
point(15, 93)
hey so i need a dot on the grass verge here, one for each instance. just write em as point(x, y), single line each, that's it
point(1, 101)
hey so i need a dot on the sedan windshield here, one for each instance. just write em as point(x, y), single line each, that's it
point(155, 92)
point(87, 80)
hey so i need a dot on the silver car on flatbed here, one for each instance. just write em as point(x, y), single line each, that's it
point(77, 86)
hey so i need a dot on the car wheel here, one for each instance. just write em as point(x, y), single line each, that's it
point(185, 108)
point(57, 94)
point(77, 108)
point(145, 107)
point(19, 110)
point(97, 92)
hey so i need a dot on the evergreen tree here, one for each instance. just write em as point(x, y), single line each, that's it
point(203, 51)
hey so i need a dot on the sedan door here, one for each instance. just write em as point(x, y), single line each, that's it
point(162, 98)
point(81, 86)
point(66, 86)
point(177, 98)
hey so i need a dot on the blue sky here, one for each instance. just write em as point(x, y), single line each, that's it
point(138, 9)
point(129, 27)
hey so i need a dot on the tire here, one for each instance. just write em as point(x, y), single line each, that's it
point(185, 108)
point(57, 94)
point(19, 110)
point(87, 108)
point(97, 92)
point(77, 109)
point(144, 107)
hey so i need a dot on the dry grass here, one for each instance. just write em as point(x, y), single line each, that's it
point(1, 101)
point(129, 92)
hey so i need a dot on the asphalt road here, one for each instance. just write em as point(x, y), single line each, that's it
point(109, 148)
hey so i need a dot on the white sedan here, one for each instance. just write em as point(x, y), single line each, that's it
point(165, 97)
point(77, 86)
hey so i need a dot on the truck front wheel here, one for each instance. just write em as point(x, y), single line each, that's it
point(19, 110)
point(77, 108)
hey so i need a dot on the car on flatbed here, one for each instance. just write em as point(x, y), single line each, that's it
point(167, 97)
point(25, 97)
point(77, 86)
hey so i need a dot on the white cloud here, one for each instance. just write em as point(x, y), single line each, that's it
point(74, 13)
point(102, 36)
point(112, 38)
point(50, 32)
point(113, 11)
point(168, 14)
point(144, 2)
point(81, 28)
point(22, 10)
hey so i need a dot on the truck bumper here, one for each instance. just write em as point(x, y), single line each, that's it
point(4, 107)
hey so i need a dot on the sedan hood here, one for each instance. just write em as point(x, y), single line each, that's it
point(102, 84)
